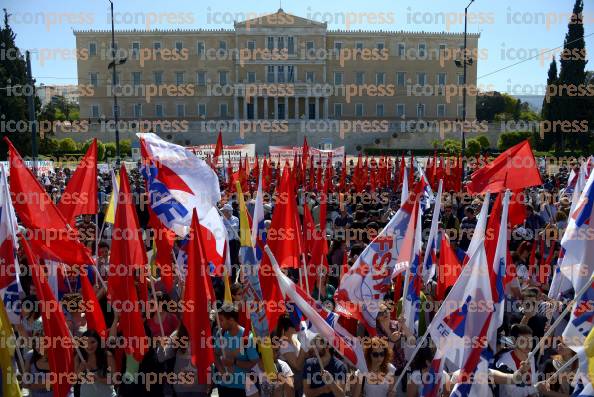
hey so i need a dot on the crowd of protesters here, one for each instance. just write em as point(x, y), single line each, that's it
point(353, 220)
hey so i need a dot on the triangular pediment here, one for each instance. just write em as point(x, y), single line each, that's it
point(279, 19)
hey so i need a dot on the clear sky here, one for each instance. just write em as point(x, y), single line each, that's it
point(511, 30)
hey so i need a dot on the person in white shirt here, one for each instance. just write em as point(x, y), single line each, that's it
point(379, 381)
point(512, 360)
point(259, 384)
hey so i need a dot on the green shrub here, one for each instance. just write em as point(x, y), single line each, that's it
point(68, 145)
point(100, 148)
point(473, 147)
point(483, 141)
point(110, 150)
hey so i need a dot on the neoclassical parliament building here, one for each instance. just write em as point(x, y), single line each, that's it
point(273, 79)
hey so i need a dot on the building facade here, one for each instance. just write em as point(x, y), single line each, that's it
point(277, 73)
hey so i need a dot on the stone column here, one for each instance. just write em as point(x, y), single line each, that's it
point(265, 108)
point(317, 104)
point(235, 107)
point(245, 110)
point(326, 104)
point(276, 107)
point(307, 108)
point(286, 108)
point(255, 99)
point(296, 108)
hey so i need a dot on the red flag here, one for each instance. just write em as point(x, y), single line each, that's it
point(127, 264)
point(164, 239)
point(449, 268)
point(284, 239)
point(80, 196)
point(266, 176)
point(513, 169)
point(93, 314)
point(218, 150)
point(310, 235)
point(199, 291)
point(58, 341)
point(517, 209)
point(52, 238)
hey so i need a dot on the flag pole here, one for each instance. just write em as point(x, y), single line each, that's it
point(156, 302)
point(274, 263)
point(560, 318)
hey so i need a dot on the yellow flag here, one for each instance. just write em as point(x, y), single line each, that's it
point(245, 239)
point(227, 298)
point(589, 348)
point(10, 386)
point(245, 232)
point(110, 213)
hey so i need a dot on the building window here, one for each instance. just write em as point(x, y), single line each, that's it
point(359, 110)
point(309, 46)
point(156, 45)
point(135, 50)
point(360, 78)
point(117, 78)
point(401, 50)
point(400, 79)
point(421, 110)
point(270, 74)
point(223, 110)
point(400, 110)
point(159, 112)
point(421, 78)
point(251, 45)
point(442, 49)
point(117, 109)
point(180, 110)
point(290, 74)
point(337, 110)
point(380, 78)
point(379, 110)
point(460, 111)
point(202, 110)
point(222, 45)
point(251, 77)
point(158, 77)
point(441, 110)
point(359, 46)
point(95, 111)
point(291, 45)
point(201, 78)
point(280, 74)
point(441, 79)
point(179, 78)
point(380, 45)
point(337, 46)
point(223, 75)
point(136, 78)
point(92, 49)
point(200, 48)
point(94, 79)
point(460, 79)
point(310, 77)
point(338, 78)
point(422, 50)
point(280, 43)
point(270, 43)
point(137, 110)
point(179, 46)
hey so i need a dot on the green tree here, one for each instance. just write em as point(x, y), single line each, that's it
point(574, 107)
point(549, 111)
point(452, 146)
point(13, 72)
